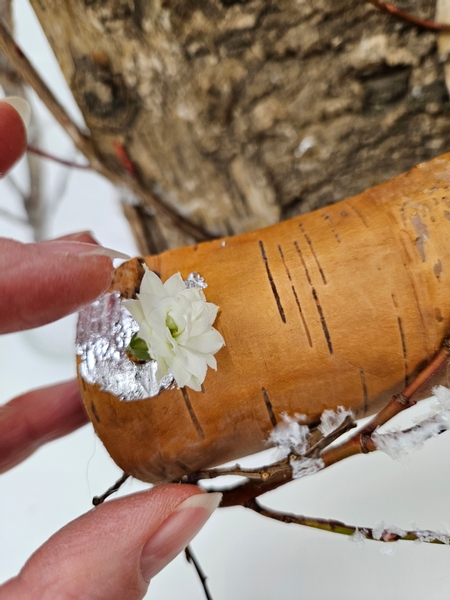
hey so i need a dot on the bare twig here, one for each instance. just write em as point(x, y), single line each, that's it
point(405, 16)
point(190, 557)
point(85, 144)
point(67, 163)
point(5, 214)
point(262, 474)
point(34, 201)
point(339, 527)
point(275, 470)
point(96, 500)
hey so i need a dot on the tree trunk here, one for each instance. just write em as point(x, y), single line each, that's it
point(240, 113)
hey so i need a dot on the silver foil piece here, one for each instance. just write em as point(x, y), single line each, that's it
point(195, 280)
point(104, 332)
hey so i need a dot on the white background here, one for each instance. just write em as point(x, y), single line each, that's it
point(244, 555)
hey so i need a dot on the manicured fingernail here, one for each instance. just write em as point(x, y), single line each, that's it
point(22, 107)
point(175, 533)
point(68, 247)
point(79, 236)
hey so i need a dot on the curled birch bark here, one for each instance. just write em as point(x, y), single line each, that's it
point(338, 307)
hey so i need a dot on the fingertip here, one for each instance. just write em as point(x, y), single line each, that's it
point(38, 286)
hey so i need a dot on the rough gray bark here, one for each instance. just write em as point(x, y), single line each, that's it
point(241, 113)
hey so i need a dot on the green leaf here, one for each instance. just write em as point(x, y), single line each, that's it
point(138, 347)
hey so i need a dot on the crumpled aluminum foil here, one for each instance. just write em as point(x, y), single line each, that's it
point(104, 332)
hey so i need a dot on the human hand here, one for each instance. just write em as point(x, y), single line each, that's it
point(114, 550)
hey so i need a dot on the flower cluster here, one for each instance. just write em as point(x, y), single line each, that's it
point(175, 323)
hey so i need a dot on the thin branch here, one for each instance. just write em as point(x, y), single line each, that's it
point(316, 450)
point(262, 474)
point(191, 558)
point(12, 182)
point(280, 467)
point(5, 214)
point(405, 16)
point(334, 526)
point(52, 157)
point(96, 500)
point(85, 144)
point(359, 443)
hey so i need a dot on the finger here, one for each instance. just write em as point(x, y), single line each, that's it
point(43, 282)
point(112, 552)
point(31, 420)
point(14, 118)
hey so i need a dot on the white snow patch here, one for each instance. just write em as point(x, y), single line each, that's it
point(332, 419)
point(398, 445)
point(289, 436)
point(383, 532)
point(428, 535)
point(359, 537)
point(306, 466)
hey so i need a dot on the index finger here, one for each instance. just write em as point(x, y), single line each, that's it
point(43, 282)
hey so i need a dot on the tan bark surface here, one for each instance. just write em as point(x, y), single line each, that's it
point(240, 113)
point(337, 307)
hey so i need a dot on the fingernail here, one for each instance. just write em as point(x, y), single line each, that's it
point(79, 236)
point(67, 247)
point(175, 533)
point(22, 107)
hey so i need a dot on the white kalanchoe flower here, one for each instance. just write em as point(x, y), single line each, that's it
point(176, 324)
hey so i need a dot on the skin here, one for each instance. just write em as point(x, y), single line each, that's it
point(106, 553)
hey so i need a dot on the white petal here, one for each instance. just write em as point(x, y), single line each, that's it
point(209, 342)
point(135, 309)
point(181, 376)
point(192, 361)
point(211, 361)
point(212, 311)
point(193, 295)
point(146, 333)
point(179, 317)
point(162, 368)
point(157, 320)
point(174, 285)
point(200, 322)
point(152, 285)
point(160, 347)
point(194, 384)
point(150, 303)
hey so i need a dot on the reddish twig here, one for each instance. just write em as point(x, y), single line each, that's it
point(52, 157)
point(361, 441)
point(405, 16)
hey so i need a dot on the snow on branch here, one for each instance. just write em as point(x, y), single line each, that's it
point(400, 444)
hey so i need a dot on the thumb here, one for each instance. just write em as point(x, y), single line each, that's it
point(113, 551)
